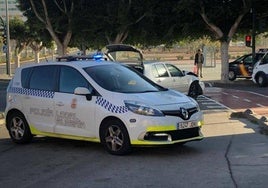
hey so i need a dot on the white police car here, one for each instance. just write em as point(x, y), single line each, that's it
point(98, 101)
point(260, 71)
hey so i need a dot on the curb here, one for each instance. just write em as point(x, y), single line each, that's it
point(2, 118)
point(262, 121)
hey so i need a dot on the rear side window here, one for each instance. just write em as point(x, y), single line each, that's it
point(43, 78)
point(25, 74)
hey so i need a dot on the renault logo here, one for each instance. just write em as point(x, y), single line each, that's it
point(184, 113)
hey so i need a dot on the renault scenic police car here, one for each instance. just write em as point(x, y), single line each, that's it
point(98, 101)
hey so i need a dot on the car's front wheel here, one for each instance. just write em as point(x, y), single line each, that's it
point(261, 80)
point(114, 137)
point(231, 75)
point(194, 90)
point(18, 128)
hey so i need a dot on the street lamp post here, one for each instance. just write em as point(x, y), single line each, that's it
point(253, 32)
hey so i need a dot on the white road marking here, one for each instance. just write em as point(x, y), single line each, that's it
point(247, 100)
point(260, 105)
point(235, 96)
point(221, 105)
point(206, 103)
point(266, 96)
point(212, 107)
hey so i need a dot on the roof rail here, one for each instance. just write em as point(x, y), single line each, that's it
point(74, 58)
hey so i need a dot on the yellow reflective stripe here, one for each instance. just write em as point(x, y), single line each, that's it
point(57, 135)
point(161, 128)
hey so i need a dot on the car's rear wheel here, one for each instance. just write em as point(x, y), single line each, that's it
point(261, 80)
point(114, 137)
point(231, 75)
point(18, 128)
point(194, 90)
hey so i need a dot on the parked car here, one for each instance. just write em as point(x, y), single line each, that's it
point(242, 67)
point(98, 101)
point(260, 71)
point(162, 73)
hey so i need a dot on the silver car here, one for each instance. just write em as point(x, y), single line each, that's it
point(162, 73)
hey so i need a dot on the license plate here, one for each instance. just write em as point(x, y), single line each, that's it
point(187, 125)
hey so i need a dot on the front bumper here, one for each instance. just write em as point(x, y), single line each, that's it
point(166, 135)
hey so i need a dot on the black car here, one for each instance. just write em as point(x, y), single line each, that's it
point(243, 66)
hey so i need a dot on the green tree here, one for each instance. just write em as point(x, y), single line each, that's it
point(21, 34)
point(98, 23)
point(221, 19)
point(55, 16)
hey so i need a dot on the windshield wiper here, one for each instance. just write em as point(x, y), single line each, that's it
point(148, 91)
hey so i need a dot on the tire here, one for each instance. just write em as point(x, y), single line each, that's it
point(114, 137)
point(261, 80)
point(18, 128)
point(231, 75)
point(194, 90)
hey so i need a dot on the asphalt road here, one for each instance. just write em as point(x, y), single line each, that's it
point(244, 85)
point(232, 154)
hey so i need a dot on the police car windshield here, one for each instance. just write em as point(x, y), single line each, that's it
point(120, 79)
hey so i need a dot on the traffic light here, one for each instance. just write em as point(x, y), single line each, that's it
point(4, 39)
point(248, 40)
point(4, 36)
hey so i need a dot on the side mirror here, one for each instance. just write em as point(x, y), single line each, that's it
point(83, 91)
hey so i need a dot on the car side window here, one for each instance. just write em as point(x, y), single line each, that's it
point(248, 60)
point(71, 79)
point(264, 60)
point(25, 74)
point(43, 78)
point(174, 71)
point(159, 70)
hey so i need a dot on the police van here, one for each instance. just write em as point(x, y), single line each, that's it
point(260, 70)
point(98, 101)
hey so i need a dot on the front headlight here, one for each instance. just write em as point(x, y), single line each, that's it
point(142, 109)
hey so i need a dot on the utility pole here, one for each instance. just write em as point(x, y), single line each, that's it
point(8, 67)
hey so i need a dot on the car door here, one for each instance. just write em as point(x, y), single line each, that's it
point(38, 100)
point(74, 114)
point(179, 80)
point(161, 75)
point(246, 66)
